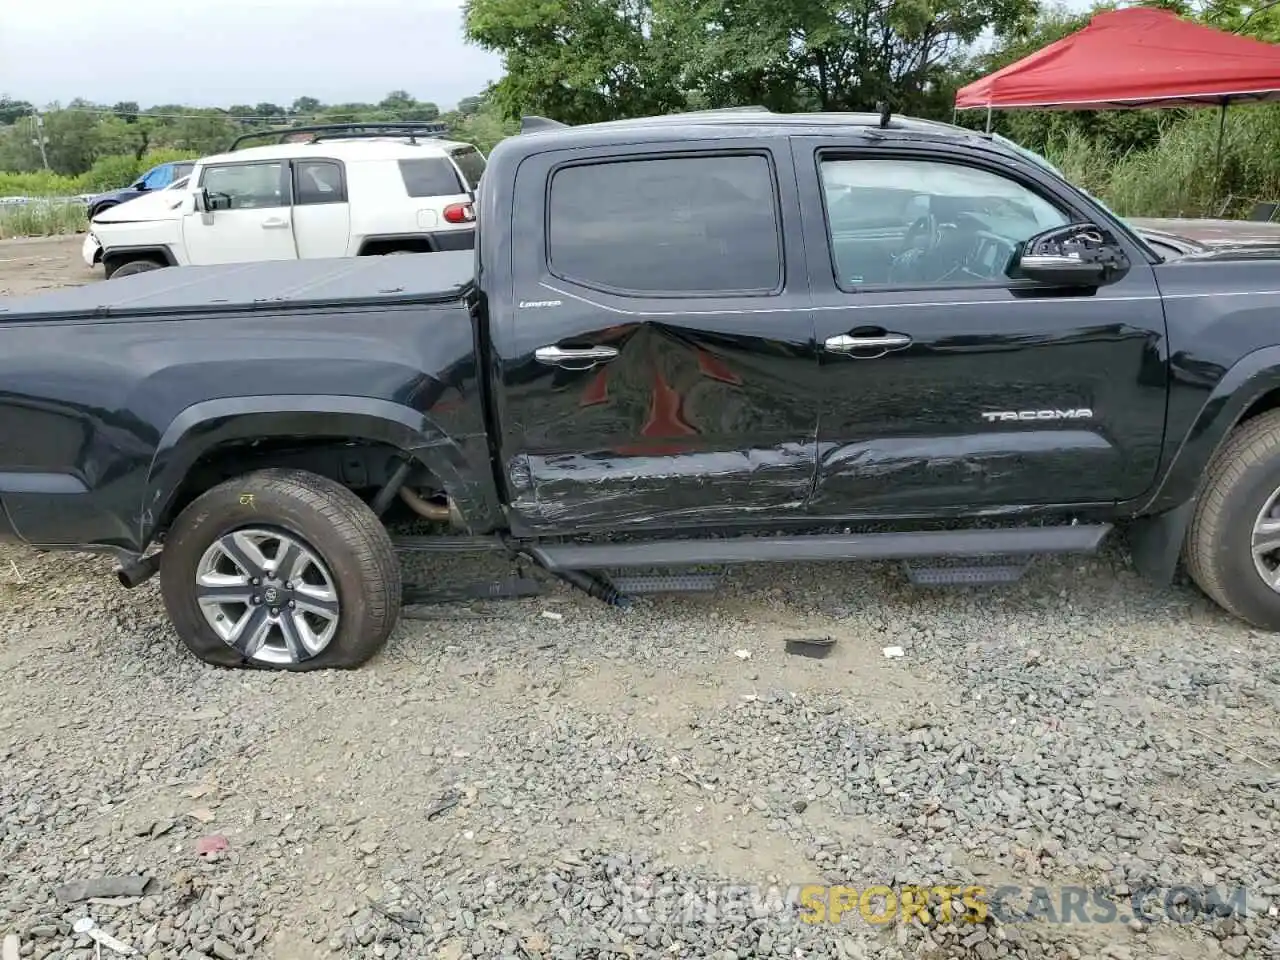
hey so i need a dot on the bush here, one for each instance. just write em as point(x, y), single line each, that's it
point(112, 173)
point(39, 184)
point(107, 173)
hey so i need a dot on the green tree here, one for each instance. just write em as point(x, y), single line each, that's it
point(126, 110)
point(581, 60)
point(11, 110)
point(305, 107)
point(71, 139)
point(841, 54)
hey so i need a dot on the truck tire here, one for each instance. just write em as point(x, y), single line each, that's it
point(281, 569)
point(1232, 549)
point(132, 267)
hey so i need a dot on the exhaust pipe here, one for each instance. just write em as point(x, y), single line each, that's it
point(440, 512)
point(139, 571)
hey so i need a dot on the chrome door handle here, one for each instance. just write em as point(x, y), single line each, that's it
point(847, 344)
point(274, 223)
point(579, 357)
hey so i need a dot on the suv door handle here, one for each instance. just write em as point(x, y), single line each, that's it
point(579, 358)
point(274, 223)
point(884, 343)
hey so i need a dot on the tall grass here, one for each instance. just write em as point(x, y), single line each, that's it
point(1179, 175)
point(41, 218)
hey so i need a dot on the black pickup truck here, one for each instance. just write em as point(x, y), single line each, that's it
point(688, 341)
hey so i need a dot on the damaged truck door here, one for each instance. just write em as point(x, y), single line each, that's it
point(947, 375)
point(657, 364)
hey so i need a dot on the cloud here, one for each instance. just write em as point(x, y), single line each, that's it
point(223, 52)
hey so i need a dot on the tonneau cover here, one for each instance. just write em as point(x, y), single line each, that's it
point(261, 285)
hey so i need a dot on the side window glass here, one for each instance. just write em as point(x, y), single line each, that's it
point(157, 178)
point(318, 181)
point(925, 222)
point(244, 186)
point(667, 225)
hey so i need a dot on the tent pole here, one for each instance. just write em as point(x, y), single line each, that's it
point(988, 118)
point(1217, 162)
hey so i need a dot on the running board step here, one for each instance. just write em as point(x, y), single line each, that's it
point(414, 594)
point(964, 576)
point(416, 544)
point(634, 586)
point(916, 544)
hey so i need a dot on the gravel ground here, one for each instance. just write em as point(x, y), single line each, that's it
point(505, 783)
point(42, 263)
point(553, 778)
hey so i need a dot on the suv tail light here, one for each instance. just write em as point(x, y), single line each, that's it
point(459, 213)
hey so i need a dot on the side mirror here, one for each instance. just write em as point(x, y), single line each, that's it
point(1077, 255)
point(140, 185)
point(200, 200)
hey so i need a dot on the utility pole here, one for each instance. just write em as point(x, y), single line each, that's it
point(39, 124)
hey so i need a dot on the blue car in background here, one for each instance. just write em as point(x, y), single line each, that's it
point(157, 178)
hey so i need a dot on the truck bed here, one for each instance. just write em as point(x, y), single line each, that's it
point(248, 287)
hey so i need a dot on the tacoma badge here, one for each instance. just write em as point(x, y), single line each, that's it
point(1084, 413)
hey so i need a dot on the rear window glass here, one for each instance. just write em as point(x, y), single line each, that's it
point(471, 163)
point(430, 177)
point(705, 224)
point(183, 169)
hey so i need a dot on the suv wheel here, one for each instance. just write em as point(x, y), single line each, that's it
point(134, 266)
point(1233, 542)
point(281, 569)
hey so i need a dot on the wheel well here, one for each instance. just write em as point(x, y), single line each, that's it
point(377, 248)
point(114, 261)
point(1268, 401)
point(361, 466)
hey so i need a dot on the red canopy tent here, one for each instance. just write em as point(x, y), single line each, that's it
point(1139, 57)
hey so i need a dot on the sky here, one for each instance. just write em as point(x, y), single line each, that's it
point(223, 52)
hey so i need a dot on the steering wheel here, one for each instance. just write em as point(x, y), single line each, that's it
point(913, 252)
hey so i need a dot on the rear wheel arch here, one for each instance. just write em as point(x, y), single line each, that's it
point(224, 426)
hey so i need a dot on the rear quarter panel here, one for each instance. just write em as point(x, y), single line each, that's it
point(84, 405)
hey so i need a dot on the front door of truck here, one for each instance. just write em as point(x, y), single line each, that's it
point(250, 215)
point(657, 365)
point(945, 384)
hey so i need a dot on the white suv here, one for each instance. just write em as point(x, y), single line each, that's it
point(349, 190)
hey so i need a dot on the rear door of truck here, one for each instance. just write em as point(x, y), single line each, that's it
point(658, 367)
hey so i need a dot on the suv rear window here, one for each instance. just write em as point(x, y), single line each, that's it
point(706, 224)
point(430, 177)
point(471, 163)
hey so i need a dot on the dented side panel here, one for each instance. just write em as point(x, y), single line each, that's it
point(706, 411)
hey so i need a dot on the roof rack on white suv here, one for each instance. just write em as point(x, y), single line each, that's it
point(333, 131)
point(324, 190)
